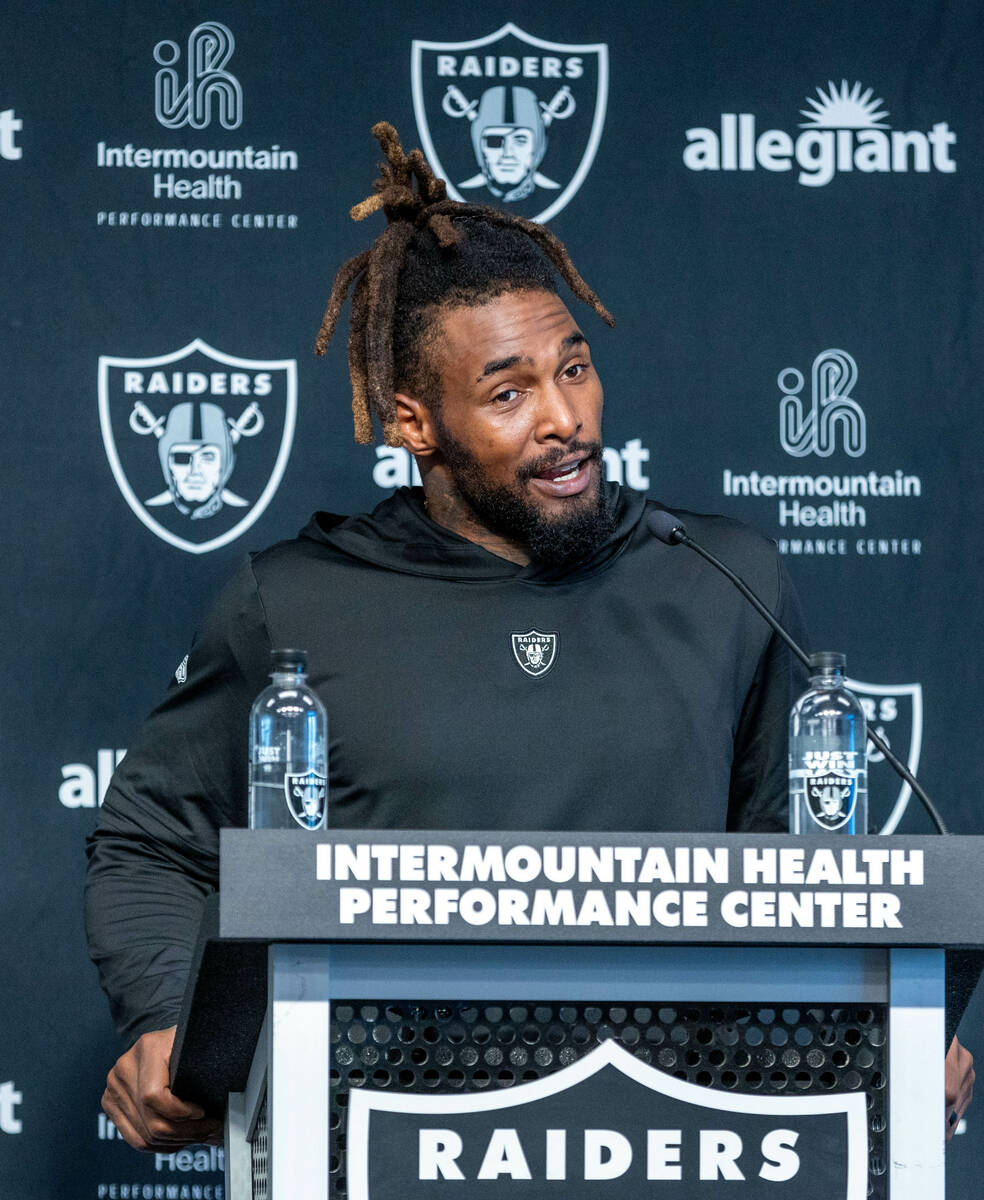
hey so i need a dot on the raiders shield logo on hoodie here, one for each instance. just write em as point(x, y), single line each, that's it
point(535, 652)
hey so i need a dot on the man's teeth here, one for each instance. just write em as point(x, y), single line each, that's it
point(568, 474)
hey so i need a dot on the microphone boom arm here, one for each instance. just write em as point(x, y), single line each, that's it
point(679, 536)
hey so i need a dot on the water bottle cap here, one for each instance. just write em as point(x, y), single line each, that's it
point(288, 660)
point(828, 660)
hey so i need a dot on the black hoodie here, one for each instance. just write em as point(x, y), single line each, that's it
point(660, 703)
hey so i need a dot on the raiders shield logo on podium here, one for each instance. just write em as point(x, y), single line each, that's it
point(607, 1125)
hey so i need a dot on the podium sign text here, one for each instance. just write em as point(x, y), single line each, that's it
point(600, 887)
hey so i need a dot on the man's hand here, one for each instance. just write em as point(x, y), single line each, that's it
point(140, 1103)
point(959, 1085)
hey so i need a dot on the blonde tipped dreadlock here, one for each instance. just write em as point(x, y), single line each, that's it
point(383, 318)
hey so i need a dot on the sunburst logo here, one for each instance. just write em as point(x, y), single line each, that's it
point(844, 108)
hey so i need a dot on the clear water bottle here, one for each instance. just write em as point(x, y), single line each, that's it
point(288, 750)
point(828, 766)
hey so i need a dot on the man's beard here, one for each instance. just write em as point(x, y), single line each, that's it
point(569, 537)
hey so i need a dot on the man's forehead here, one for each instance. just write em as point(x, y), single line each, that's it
point(495, 365)
point(516, 326)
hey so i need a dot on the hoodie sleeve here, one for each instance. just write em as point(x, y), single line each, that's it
point(759, 796)
point(153, 858)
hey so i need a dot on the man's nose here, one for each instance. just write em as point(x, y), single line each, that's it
point(558, 418)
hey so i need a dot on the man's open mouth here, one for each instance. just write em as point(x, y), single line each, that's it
point(564, 472)
point(565, 479)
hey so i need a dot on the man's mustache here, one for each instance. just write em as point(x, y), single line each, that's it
point(586, 450)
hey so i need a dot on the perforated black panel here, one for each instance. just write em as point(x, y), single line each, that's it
point(475, 1046)
point(260, 1156)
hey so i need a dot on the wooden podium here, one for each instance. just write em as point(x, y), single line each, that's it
point(409, 1014)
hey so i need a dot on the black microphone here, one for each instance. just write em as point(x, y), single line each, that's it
point(672, 531)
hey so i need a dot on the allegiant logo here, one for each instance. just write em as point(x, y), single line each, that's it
point(10, 1101)
point(844, 131)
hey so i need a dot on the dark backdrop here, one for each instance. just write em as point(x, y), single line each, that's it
point(752, 217)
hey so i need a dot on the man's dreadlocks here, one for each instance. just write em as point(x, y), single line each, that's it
point(433, 251)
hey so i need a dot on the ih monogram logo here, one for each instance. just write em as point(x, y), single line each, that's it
point(813, 429)
point(210, 46)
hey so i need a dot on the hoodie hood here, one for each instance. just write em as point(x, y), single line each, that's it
point(399, 536)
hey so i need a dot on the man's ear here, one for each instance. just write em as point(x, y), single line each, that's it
point(416, 426)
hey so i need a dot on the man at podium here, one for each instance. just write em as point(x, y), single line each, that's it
point(507, 646)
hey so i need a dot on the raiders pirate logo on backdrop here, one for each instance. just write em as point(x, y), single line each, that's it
point(535, 652)
point(197, 440)
point(896, 712)
point(510, 119)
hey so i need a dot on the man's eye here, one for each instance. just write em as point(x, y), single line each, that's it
point(575, 369)
point(505, 396)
